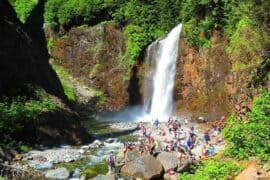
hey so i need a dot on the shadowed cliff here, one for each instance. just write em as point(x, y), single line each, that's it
point(23, 58)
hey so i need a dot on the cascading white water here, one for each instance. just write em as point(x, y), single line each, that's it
point(163, 80)
point(159, 82)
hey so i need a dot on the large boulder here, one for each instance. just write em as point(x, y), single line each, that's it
point(184, 165)
point(132, 155)
point(168, 160)
point(60, 173)
point(145, 167)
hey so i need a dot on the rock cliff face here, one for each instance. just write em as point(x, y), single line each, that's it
point(93, 54)
point(23, 59)
point(207, 84)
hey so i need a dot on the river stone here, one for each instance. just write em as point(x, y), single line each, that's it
point(60, 173)
point(76, 173)
point(38, 165)
point(146, 167)
point(85, 147)
point(110, 140)
point(168, 160)
point(105, 177)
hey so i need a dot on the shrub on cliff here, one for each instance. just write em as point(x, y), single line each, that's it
point(19, 106)
point(250, 138)
point(215, 168)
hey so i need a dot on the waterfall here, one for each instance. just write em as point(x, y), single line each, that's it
point(159, 78)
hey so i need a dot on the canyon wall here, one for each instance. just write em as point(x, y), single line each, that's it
point(94, 55)
point(209, 85)
point(23, 59)
point(207, 82)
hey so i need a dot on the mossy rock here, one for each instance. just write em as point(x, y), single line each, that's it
point(93, 171)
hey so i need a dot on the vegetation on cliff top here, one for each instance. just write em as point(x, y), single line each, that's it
point(246, 23)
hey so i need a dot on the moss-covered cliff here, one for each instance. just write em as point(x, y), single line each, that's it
point(94, 56)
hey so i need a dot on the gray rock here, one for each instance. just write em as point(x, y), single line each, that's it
point(60, 173)
point(97, 142)
point(76, 173)
point(110, 140)
point(81, 151)
point(39, 165)
point(85, 147)
point(146, 167)
point(105, 177)
point(132, 155)
point(83, 177)
point(183, 166)
point(168, 160)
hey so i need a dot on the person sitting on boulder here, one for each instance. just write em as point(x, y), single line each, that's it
point(211, 150)
point(204, 151)
point(111, 162)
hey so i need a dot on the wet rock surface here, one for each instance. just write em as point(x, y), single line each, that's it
point(168, 160)
point(145, 167)
point(60, 173)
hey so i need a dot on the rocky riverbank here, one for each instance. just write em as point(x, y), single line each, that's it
point(88, 161)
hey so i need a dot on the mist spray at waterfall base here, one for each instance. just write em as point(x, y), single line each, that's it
point(159, 82)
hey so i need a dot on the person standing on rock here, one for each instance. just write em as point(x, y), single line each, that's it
point(111, 163)
point(180, 155)
point(207, 137)
point(156, 123)
point(186, 121)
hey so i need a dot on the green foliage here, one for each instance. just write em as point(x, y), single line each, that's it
point(23, 8)
point(24, 148)
point(19, 106)
point(250, 138)
point(80, 164)
point(247, 39)
point(64, 78)
point(100, 95)
point(50, 44)
point(214, 169)
point(95, 70)
point(75, 12)
point(244, 22)
point(200, 18)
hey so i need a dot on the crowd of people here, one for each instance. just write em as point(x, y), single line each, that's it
point(173, 138)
